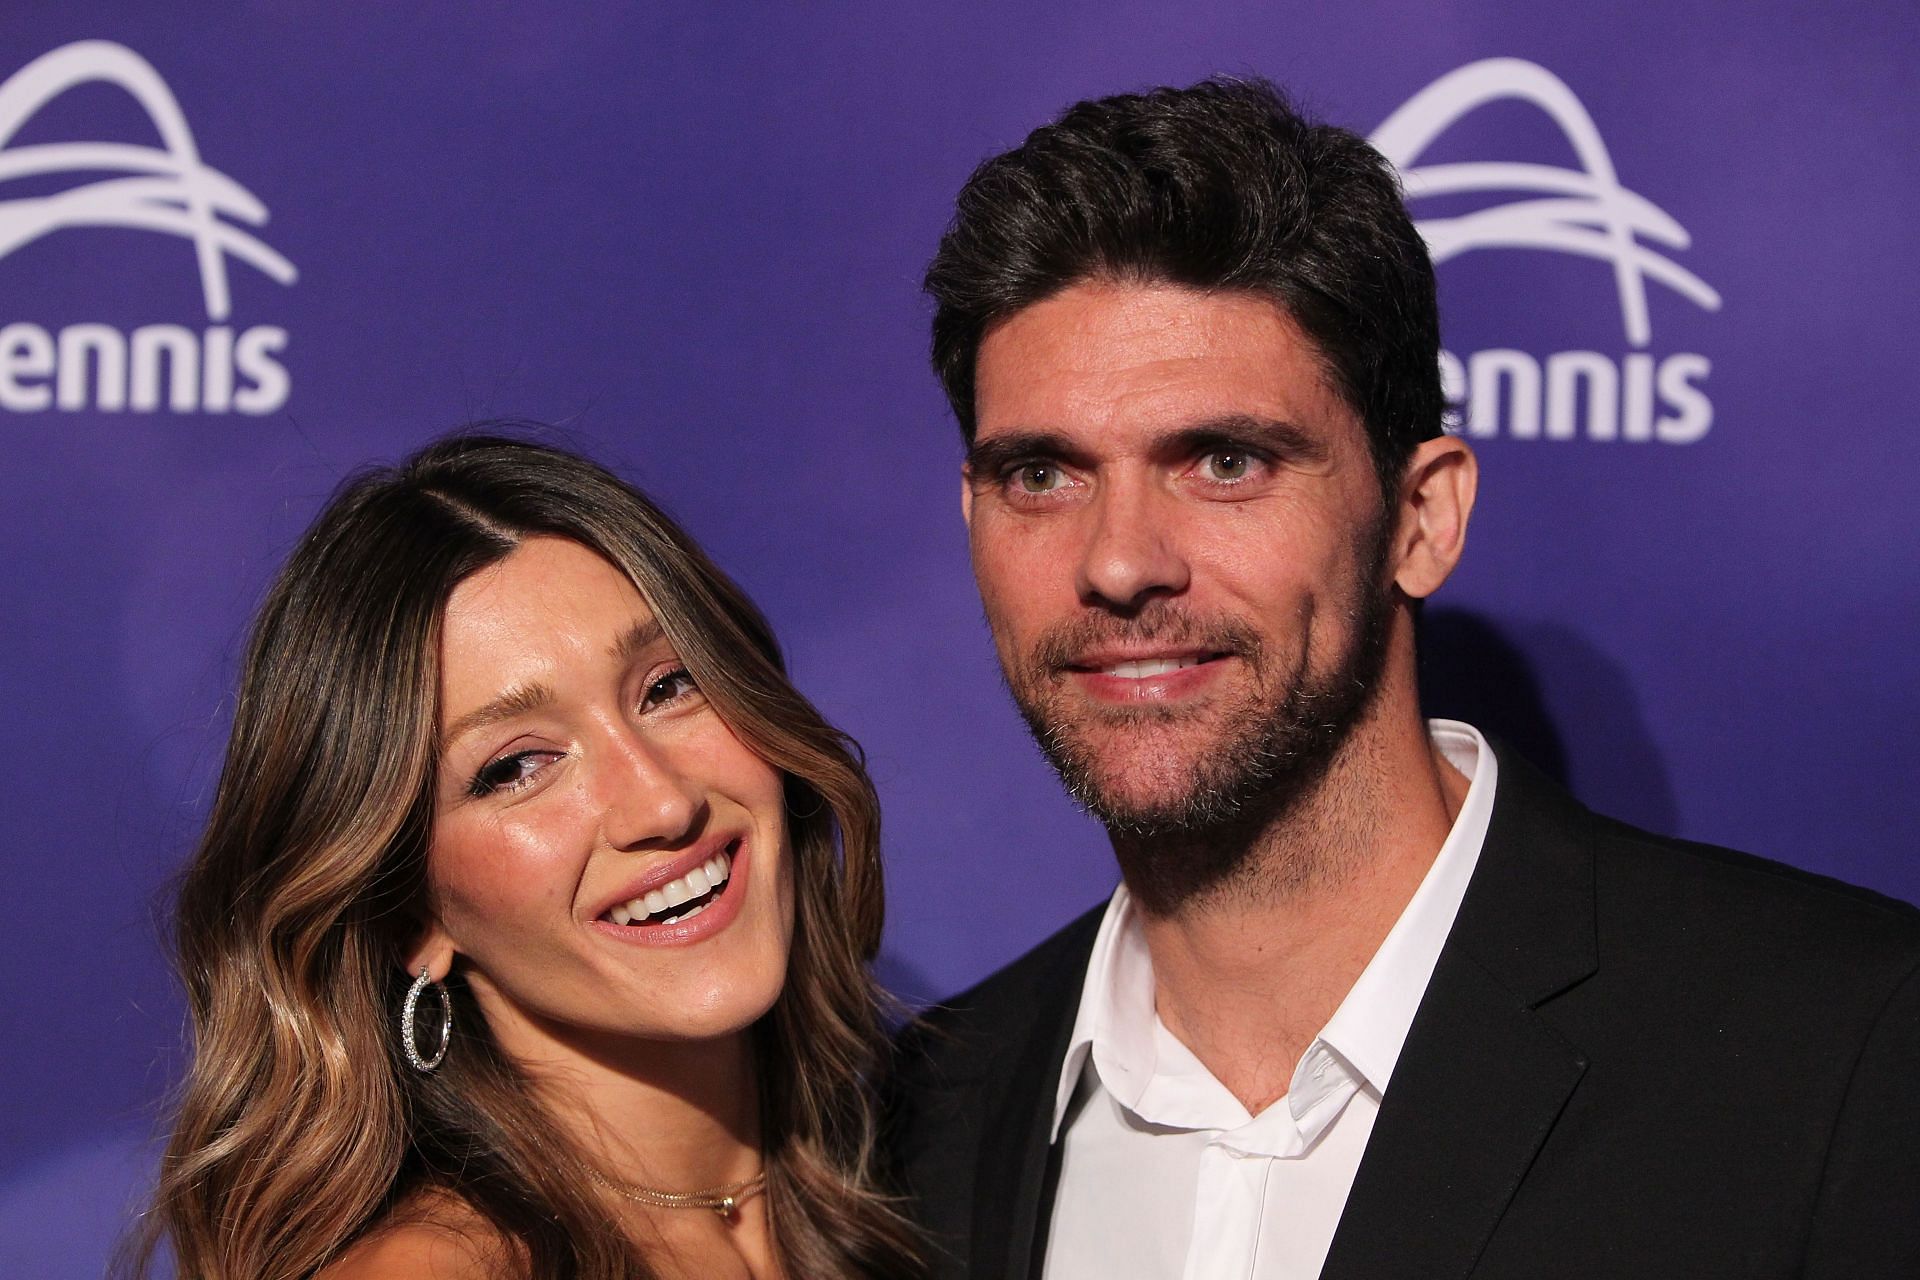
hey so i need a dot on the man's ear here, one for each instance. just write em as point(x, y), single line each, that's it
point(1436, 498)
point(966, 494)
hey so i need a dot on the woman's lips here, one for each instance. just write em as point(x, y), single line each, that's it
point(684, 915)
point(679, 898)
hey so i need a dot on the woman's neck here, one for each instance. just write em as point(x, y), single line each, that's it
point(673, 1115)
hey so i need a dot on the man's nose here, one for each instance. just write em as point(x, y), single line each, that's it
point(647, 800)
point(1132, 552)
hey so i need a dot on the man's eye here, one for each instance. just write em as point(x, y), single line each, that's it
point(1226, 465)
point(671, 687)
point(1038, 477)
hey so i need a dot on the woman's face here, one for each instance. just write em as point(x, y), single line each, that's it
point(589, 798)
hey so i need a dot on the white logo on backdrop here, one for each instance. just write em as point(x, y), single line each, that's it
point(164, 189)
point(1585, 212)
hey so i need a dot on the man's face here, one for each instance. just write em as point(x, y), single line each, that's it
point(1179, 541)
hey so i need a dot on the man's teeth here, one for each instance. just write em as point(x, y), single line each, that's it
point(664, 902)
point(1150, 667)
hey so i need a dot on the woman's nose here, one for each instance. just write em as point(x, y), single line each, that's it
point(648, 801)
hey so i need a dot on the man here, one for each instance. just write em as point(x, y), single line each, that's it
point(1373, 999)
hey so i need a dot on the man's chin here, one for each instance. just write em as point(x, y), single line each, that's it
point(1133, 806)
point(1184, 776)
point(1150, 789)
point(1129, 739)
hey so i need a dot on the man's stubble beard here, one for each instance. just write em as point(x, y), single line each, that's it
point(1270, 754)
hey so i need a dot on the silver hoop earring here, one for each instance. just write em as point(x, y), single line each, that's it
point(407, 1041)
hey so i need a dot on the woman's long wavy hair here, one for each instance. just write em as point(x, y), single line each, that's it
point(301, 1126)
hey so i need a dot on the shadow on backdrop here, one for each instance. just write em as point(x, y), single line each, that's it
point(905, 980)
point(1520, 683)
point(63, 1217)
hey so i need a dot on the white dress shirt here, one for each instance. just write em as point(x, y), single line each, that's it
point(1163, 1173)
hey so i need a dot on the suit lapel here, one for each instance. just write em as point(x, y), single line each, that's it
point(1482, 1078)
point(1019, 1165)
point(1454, 1137)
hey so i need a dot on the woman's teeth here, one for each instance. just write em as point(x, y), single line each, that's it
point(668, 903)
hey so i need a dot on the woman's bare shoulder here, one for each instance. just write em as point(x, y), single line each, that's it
point(439, 1241)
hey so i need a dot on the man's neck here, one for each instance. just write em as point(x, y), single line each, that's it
point(1247, 974)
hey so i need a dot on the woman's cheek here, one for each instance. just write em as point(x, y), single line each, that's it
point(501, 868)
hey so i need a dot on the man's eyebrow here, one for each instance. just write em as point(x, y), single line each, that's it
point(640, 636)
point(1271, 435)
point(515, 701)
point(1247, 431)
point(990, 457)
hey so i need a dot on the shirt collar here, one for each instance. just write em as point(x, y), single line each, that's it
point(1369, 1028)
point(1119, 983)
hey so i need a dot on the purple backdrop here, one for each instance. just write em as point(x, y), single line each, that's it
point(1680, 287)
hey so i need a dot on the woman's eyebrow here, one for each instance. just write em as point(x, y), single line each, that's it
point(531, 697)
point(640, 636)
point(516, 701)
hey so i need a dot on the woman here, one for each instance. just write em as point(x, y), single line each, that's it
point(528, 934)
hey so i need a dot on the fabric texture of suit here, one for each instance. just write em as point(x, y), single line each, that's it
point(1637, 1057)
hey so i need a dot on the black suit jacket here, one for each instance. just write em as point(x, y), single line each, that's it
point(1637, 1058)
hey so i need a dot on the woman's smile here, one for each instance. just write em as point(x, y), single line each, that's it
point(685, 900)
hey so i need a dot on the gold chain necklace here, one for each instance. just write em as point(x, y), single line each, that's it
point(722, 1200)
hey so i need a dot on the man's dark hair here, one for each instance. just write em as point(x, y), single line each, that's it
point(1224, 185)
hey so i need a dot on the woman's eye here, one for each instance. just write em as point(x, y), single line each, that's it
point(1226, 465)
point(508, 773)
point(1038, 477)
point(671, 687)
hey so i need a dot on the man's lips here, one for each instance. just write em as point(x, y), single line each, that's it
point(1159, 676)
point(1135, 664)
